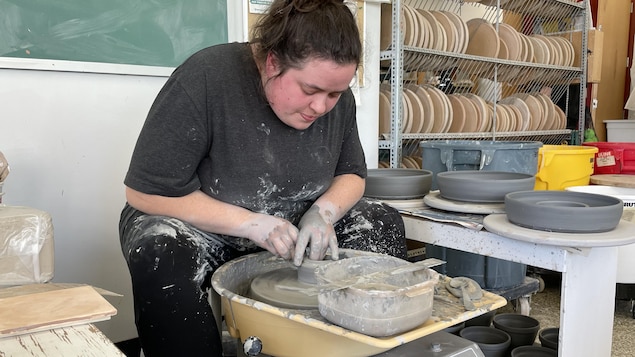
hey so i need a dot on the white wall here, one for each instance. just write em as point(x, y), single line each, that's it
point(68, 137)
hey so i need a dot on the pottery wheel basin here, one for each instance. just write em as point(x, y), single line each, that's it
point(397, 183)
point(381, 302)
point(563, 211)
point(482, 186)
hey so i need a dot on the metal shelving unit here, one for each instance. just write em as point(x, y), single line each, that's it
point(544, 17)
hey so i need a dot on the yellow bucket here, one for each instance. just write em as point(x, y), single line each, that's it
point(561, 166)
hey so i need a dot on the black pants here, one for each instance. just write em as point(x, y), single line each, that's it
point(171, 263)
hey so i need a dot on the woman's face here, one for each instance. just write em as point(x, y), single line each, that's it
point(301, 95)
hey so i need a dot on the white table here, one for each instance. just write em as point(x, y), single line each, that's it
point(588, 267)
point(83, 340)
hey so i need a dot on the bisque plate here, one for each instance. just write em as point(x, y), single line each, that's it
point(483, 38)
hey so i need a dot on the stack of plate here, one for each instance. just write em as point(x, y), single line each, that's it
point(543, 113)
point(483, 38)
point(470, 113)
point(407, 162)
point(552, 50)
point(426, 109)
point(430, 29)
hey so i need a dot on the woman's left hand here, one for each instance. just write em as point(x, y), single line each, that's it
point(317, 231)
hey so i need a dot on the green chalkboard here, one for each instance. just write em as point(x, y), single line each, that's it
point(138, 32)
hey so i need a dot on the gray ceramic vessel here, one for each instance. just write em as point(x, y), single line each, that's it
point(397, 183)
point(563, 211)
point(482, 186)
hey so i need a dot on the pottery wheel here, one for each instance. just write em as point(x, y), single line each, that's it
point(281, 288)
point(435, 200)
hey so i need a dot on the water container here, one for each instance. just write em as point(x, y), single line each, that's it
point(490, 273)
point(561, 166)
point(455, 155)
point(614, 158)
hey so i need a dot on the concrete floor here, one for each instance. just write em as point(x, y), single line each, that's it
point(545, 307)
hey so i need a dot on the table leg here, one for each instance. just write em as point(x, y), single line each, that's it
point(587, 302)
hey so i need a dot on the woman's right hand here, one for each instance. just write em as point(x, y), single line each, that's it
point(277, 235)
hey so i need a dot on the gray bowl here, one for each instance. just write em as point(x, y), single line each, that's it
point(549, 337)
point(397, 183)
point(482, 186)
point(563, 211)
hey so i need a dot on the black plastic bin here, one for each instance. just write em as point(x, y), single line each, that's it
point(490, 273)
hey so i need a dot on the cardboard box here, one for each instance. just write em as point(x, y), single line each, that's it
point(595, 42)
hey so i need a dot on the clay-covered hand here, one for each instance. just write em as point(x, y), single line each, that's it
point(316, 232)
point(274, 234)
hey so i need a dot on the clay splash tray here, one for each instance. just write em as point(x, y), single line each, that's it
point(287, 332)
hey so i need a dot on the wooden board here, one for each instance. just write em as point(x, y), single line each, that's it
point(52, 309)
point(74, 341)
point(614, 180)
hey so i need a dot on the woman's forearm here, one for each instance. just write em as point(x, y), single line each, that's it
point(344, 193)
point(197, 208)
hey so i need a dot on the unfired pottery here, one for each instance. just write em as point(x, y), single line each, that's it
point(493, 342)
point(522, 329)
point(397, 183)
point(563, 211)
point(549, 337)
point(482, 186)
point(533, 351)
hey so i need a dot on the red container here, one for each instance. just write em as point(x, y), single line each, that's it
point(614, 158)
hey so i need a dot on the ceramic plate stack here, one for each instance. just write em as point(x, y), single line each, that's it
point(411, 162)
point(567, 50)
point(428, 113)
point(511, 40)
point(458, 113)
point(483, 39)
point(463, 34)
point(552, 119)
point(523, 112)
point(541, 51)
point(473, 118)
point(425, 36)
point(416, 115)
point(450, 30)
point(442, 109)
point(481, 108)
point(516, 51)
point(384, 112)
point(406, 125)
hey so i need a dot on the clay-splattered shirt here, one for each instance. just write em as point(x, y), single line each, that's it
point(210, 128)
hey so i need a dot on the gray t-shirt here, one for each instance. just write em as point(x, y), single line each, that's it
point(211, 128)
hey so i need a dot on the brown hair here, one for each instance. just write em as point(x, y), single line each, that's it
point(298, 30)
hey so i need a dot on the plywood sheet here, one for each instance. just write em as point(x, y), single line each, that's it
point(52, 309)
point(614, 180)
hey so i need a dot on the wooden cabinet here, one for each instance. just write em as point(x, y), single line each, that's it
point(613, 18)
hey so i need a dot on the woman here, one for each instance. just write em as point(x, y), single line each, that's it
point(248, 146)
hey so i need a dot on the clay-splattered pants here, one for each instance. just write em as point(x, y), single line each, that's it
point(171, 263)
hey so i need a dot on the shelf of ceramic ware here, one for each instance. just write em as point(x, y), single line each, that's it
point(468, 68)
